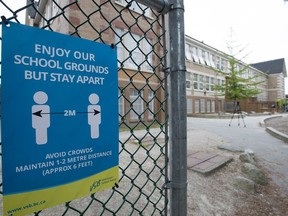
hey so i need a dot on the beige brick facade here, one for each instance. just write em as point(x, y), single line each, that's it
point(98, 20)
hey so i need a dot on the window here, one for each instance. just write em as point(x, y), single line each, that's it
point(211, 57)
point(202, 105)
point(151, 104)
point(200, 56)
point(220, 106)
point(207, 85)
point(219, 82)
point(208, 106)
point(120, 48)
point(55, 8)
point(188, 53)
point(252, 74)
point(213, 106)
point(222, 65)
point(188, 80)
point(189, 105)
point(147, 43)
point(197, 106)
point(246, 74)
point(218, 62)
point(207, 59)
point(223, 83)
point(137, 7)
point(195, 81)
point(121, 105)
point(48, 11)
point(195, 54)
point(136, 103)
point(212, 83)
point(131, 56)
point(237, 67)
point(201, 84)
point(140, 8)
point(136, 56)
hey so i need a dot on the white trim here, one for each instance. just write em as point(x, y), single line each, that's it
point(134, 7)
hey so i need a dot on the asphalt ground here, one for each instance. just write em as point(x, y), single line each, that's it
point(247, 133)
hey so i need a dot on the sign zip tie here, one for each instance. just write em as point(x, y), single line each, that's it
point(5, 20)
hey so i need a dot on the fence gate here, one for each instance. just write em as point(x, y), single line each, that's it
point(139, 34)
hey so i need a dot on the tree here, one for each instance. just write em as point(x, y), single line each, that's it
point(237, 85)
point(281, 103)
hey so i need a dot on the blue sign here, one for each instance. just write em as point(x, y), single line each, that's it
point(59, 118)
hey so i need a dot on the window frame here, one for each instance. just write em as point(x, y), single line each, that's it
point(136, 100)
point(195, 81)
point(201, 82)
point(200, 56)
point(121, 104)
point(128, 45)
point(195, 55)
point(202, 105)
point(189, 105)
point(188, 53)
point(197, 105)
point(151, 104)
point(189, 80)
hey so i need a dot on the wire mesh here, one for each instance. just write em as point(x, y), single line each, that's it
point(138, 33)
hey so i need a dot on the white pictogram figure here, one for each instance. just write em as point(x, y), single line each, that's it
point(40, 117)
point(94, 115)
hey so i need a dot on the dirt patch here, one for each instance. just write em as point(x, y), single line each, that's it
point(280, 124)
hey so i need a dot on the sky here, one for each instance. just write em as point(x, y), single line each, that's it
point(258, 26)
point(261, 26)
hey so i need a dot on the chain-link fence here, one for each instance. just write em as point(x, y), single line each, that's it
point(139, 35)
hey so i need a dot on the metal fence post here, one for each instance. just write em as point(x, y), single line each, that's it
point(178, 109)
point(161, 6)
point(178, 116)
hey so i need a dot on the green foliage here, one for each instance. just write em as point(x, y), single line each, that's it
point(281, 104)
point(236, 86)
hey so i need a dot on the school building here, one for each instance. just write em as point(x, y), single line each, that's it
point(201, 98)
point(137, 32)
